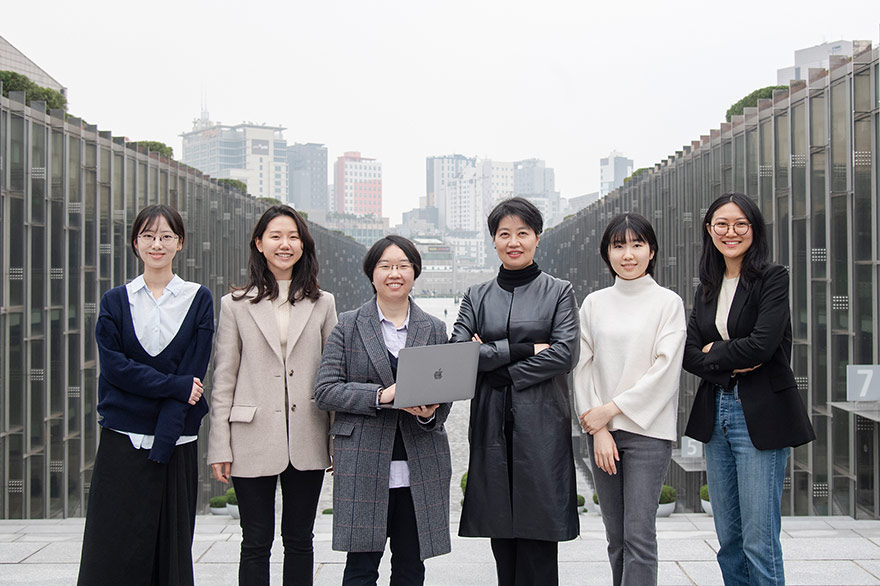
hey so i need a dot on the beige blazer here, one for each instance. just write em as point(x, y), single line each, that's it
point(249, 421)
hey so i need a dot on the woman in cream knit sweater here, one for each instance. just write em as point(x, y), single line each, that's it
point(626, 391)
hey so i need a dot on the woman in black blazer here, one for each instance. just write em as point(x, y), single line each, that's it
point(748, 410)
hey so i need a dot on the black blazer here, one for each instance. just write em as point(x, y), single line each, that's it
point(759, 325)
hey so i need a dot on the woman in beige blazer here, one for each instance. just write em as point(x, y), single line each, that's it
point(264, 422)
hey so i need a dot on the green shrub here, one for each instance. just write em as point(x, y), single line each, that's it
point(157, 147)
point(463, 482)
point(667, 494)
point(327, 512)
point(230, 497)
point(581, 500)
point(239, 185)
point(704, 492)
point(751, 100)
point(16, 82)
point(217, 502)
point(595, 498)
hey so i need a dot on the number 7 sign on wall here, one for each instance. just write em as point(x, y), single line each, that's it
point(862, 382)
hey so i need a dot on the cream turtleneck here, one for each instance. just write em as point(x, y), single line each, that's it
point(282, 314)
point(632, 343)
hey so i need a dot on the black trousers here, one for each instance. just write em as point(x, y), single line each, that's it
point(141, 516)
point(300, 491)
point(526, 562)
point(407, 568)
point(522, 562)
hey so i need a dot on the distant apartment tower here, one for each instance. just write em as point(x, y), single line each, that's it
point(252, 153)
point(816, 56)
point(613, 170)
point(497, 182)
point(358, 185)
point(307, 176)
point(438, 171)
point(11, 59)
point(464, 201)
point(533, 180)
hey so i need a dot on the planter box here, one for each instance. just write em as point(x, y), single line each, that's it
point(707, 507)
point(218, 510)
point(233, 511)
point(662, 510)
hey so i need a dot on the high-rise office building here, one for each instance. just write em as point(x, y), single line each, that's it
point(613, 169)
point(812, 57)
point(358, 185)
point(463, 195)
point(533, 180)
point(497, 182)
point(439, 170)
point(253, 153)
point(307, 177)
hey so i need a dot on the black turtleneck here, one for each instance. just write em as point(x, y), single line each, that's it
point(508, 280)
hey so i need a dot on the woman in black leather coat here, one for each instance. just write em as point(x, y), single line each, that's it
point(521, 482)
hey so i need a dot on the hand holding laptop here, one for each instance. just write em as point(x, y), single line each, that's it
point(423, 411)
point(386, 395)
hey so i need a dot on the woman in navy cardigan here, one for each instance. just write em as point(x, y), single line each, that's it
point(154, 343)
point(748, 409)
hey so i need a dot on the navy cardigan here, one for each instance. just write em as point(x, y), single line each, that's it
point(147, 394)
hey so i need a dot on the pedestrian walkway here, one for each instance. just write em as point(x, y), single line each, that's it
point(818, 550)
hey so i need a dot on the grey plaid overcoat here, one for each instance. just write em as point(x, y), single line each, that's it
point(354, 365)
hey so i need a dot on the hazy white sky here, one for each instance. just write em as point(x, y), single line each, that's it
point(566, 82)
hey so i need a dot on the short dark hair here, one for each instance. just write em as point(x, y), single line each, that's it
point(374, 254)
point(304, 281)
point(617, 230)
point(756, 259)
point(149, 216)
point(516, 206)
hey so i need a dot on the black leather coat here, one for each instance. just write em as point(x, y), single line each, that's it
point(542, 503)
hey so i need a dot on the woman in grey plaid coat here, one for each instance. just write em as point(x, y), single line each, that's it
point(391, 467)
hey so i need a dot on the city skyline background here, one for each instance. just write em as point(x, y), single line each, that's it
point(399, 82)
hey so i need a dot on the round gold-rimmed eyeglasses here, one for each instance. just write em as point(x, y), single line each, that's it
point(739, 228)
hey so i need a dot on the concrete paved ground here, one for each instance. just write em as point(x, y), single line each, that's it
point(818, 550)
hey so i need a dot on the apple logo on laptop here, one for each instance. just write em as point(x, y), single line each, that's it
point(438, 374)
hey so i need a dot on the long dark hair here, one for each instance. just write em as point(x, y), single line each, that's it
point(304, 281)
point(754, 262)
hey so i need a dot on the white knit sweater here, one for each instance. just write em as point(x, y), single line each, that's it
point(632, 342)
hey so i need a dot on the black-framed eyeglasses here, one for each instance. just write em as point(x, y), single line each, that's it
point(740, 228)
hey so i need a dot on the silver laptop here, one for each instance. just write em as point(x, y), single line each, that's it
point(442, 373)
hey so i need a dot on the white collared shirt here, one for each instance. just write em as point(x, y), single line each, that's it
point(156, 322)
point(395, 339)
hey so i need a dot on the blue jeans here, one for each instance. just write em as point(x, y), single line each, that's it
point(629, 502)
point(745, 488)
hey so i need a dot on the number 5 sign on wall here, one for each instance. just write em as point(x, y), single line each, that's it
point(862, 382)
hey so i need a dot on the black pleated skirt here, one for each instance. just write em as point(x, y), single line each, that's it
point(141, 516)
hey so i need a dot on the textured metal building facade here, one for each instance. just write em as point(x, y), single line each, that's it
point(809, 158)
point(68, 195)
